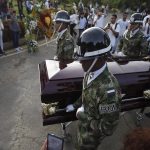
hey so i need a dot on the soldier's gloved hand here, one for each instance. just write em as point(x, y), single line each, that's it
point(80, 112)
point(70, 108)
point(121, 54)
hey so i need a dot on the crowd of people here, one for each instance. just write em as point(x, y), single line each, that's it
point(15, 32)
point(117, 28)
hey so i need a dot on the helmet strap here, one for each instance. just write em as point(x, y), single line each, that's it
point(55, 31)
point(92, 65)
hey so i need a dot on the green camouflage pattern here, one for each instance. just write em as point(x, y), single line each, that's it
point(65, 47)
point(135, 46)
point(101, 111)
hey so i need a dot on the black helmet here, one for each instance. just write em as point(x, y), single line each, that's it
point(136, 18)
point(62, 16)
point(93, 42)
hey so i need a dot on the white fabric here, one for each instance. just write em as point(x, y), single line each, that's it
point(70, 108)
point(93, 75)
point(82, 23)
point(74, 19)
point(123, 25)
point(47, 4)
point(1, 34)
point(146, 28)
point(120, 54)
point(145, 19)
point(1, 25)
point(80, 110)
point(1, 40)
point(99, 22)
point(60, 34)
point(111, 35)
point(90, 19)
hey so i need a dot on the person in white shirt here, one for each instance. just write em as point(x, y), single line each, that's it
point(147, 28)
point(29, 5)
point(73, 22)
point(99, 19)
point(113, 30)
point(82, 23)
point(124, 23)
point(90, 19)
point(145, 20)
point(47, 4)
point(1, 37)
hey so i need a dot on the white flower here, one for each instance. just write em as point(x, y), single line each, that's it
point(32, 24)
point(27, 31)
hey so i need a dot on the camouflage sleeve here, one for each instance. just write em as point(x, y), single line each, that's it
point(120, 45)
point(110, 116)
point(68, 49)
point(144, 47)
point(78, 103)
point(110, 110)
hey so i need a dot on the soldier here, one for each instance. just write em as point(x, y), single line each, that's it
point(65, 42)
point(98, 112)
point(133, 44)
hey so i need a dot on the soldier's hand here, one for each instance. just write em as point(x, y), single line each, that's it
point(80, 113)
point(70, 108)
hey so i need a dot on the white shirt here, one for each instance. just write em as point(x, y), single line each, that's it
point(74, 19)
point(90, 18)
point(99, 22)
point(147, 29)
point(82, 23)
point(145, 19)
point(1, 25)
point(93, 75)
point(123, 25)
point(47, 4)
point(112, 37)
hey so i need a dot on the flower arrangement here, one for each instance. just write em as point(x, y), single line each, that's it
point(45, 22)
point(38, 19)
point(31, 26)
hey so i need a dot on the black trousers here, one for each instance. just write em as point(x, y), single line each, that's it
point(72, 32)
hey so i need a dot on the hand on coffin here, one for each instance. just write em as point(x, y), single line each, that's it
point(119, 54)
point(80, 113)
point(147, 94)
point(70, 108)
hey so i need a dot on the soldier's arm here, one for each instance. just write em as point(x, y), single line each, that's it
point(120, 45)
point(68, 48)
point(110, 112)
point(144, 47)
point(78, 103)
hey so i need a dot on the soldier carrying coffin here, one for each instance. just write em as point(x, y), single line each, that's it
point(65, 43)
point(133, 44)
point(98, 109)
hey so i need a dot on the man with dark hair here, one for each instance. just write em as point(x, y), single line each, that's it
point(113, 30)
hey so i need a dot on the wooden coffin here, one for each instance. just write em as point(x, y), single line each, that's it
point(65, 85)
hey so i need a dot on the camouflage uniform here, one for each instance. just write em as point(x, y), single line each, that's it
point(101, 102)
point(65, 46)
point(134, 46)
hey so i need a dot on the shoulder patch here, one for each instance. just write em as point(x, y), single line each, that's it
point(111, 92)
